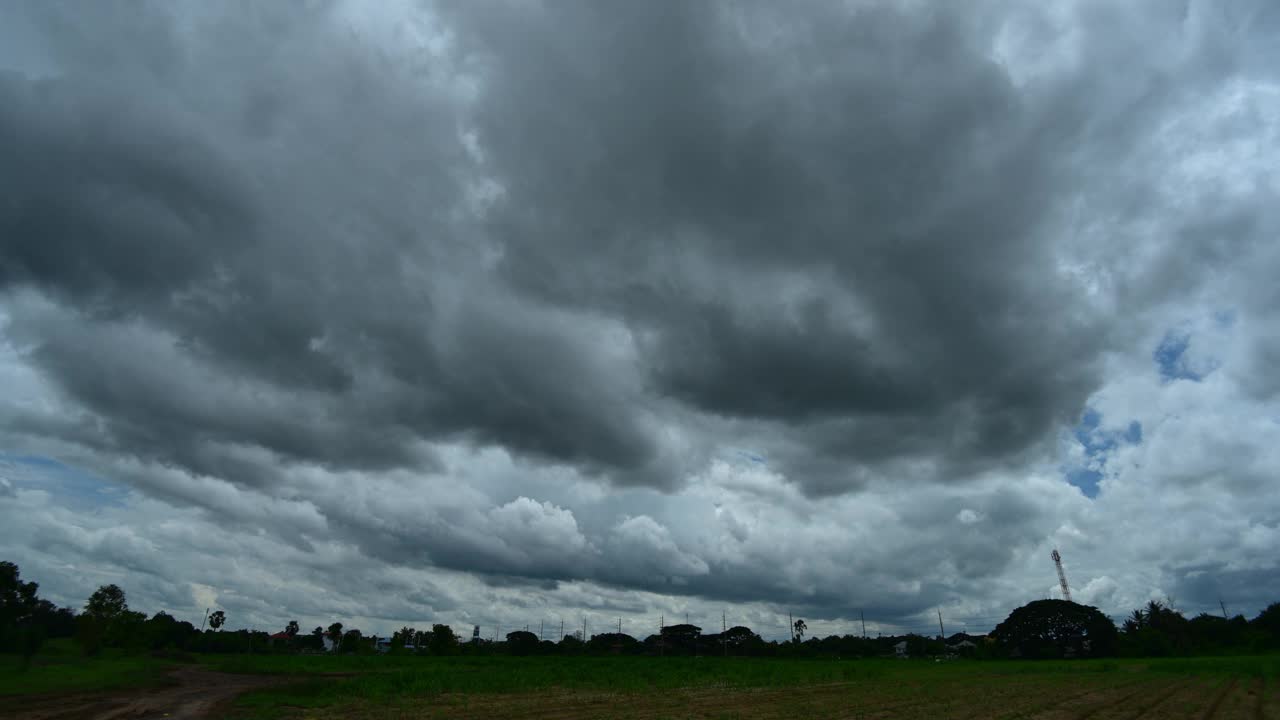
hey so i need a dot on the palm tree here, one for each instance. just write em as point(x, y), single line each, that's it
point(1135, 622)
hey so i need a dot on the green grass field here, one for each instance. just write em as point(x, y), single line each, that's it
point(735, 688)
point(61, 667)
point(582, 688)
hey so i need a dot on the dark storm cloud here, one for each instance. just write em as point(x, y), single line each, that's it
point(312, 262)
point(838, 221)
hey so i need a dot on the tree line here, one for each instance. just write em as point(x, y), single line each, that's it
point(1040, 629)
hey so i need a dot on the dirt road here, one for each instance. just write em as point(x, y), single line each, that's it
point(197, 694)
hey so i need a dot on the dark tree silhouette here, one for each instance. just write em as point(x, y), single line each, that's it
point(799, 627)
point(17, 598)
point(21, 612)
point(402, 637)
point(106, 603)
point(335, 635)
point(613, 644)
point(443, 641)
point(522, 642)
point(291, 629)
point(1268, 621)
point(351, 640)
point(740, 639)
point(217, 619)
point(1158, 630)
point(682, 638)
point(1056, 628)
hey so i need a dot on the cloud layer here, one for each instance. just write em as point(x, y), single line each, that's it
point(481, 311)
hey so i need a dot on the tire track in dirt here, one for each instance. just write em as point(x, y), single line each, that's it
point(1014, 691)
point(1040, 707)
point(1241, 703)
point(1188, 688)
point(1216, 703)
point(1080, 707)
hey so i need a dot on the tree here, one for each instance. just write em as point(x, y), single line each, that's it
point(291, 629)
point(443, 641)
point(106, 603)
point(20, 626)
point(522, 642)
point(739, 640)
point(106, 611)
point(680, 639)
point(17, 598)
point(421, 639)
point(1056, 628)
point(335, 635)
point(613, 644)
point(1268, 621)
point(217, 619)
point(165, 631)
point(351, 640)
point(402, 638)
point(799, 627)
point(571, 644)
point(1158, 630)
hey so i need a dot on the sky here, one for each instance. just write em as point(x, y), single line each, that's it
point(513, 313)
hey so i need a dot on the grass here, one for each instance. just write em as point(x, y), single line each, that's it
point(584, 687)
point(392, 683)
point(61, 667)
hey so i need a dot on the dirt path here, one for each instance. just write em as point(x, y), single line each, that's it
point(197, 694)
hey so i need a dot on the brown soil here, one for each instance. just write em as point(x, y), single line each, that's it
point(195, 694)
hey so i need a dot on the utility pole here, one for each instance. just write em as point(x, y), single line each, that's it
point(619, 626)
point(792, 627)
point(662, 643)
point(942, 635)
point(205, 620)
point(540, 624)
point(561, 630)
point(1224, 609)
point(724, 628)
point(864, 624)
point(584, 628)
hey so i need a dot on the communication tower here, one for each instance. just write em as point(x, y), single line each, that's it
point(1062, 577)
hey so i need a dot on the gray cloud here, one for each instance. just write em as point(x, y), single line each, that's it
point(516, 292)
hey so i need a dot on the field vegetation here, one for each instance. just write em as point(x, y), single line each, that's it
point(713, 687)
point(61, 666)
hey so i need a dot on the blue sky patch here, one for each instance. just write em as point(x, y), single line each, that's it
point(74, 487)
point(1170, 357)
point(1098, 444)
